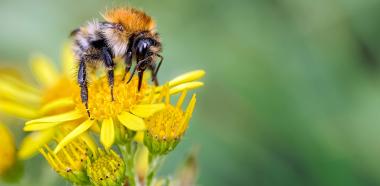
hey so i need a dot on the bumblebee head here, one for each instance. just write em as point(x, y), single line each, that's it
point(146, 44)
point(125, 23)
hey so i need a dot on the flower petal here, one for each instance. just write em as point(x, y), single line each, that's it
point(107, 134)
point(17, 109)
point(187, 77)
point(44, 71)
point(51, 121)
point(34, 141)
point(139, 137)
point(181, 99)
point(68, 116)
point(89, 142)
point(68, 60)
point(185, 86)
point(147, 110)
point(188, 113)
point(131, 121)
point(58, 103)
point(40, 126)
point(18, 94)
point(17, 82)
point(73, 134)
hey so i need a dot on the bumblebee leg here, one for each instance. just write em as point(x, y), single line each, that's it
point(128, 62)
point(159, 63)
point(82, 81)
point(155, 70)
point(137, 67)
point(152, 68)
point(140, 74)
point(140, 67)
point(108, 62)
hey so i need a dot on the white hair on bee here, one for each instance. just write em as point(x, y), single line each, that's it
point(116, 42)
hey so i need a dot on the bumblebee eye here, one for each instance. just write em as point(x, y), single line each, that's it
point(119, 27)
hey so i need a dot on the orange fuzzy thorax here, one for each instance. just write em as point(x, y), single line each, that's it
point(133, 20)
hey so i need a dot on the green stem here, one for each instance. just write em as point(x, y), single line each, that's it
point(154, 163)
point(128, 150)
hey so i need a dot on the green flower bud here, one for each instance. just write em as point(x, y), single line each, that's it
point(166, 127)
point(107, 169)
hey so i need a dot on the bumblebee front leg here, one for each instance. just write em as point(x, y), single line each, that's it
point(108, 62)
point(140, 75)
point(152, 67)
point(82, 81)
point(154, 70)
point(127, 62)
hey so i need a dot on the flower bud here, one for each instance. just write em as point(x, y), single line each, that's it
point(69, 162)
point(166, 127)
point(106, 169)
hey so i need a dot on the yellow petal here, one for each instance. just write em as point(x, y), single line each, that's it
point(181, 99)
point(188, 113)
point(68, 116)
point(34, 141)
point(185, 86)
point(107, 135)
point(51, 121)
point(187, 77)
point(147, 110)
point(58, 103)
point(68, 60)
point(73, 134)
point(142, 161)
point(139, 137)
point(131, 121)
point(96, 128)
point(90, 142)
point(44, 71)
point(17, 110)
point(17, 94)
point(41, 126)
point(17, 82)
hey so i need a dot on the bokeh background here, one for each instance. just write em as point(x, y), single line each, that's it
point(292, 94)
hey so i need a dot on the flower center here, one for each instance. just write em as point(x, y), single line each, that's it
point(100, 103)
point(166, 124)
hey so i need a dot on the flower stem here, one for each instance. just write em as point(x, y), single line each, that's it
point(154, 163)
point(128, 151)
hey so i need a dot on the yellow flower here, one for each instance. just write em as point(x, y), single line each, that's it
point(166, 127)
point(25, 100)
point(56, 103)
point(128, 109)
point(7, 150)
point(70, 161)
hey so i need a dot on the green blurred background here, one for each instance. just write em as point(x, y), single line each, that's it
point(292, 94)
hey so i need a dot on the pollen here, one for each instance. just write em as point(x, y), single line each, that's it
point(167, 124)
point(100, 103)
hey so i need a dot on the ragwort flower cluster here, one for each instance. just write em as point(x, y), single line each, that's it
point(64, 134)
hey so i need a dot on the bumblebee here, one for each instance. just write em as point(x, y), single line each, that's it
point(126, 33)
